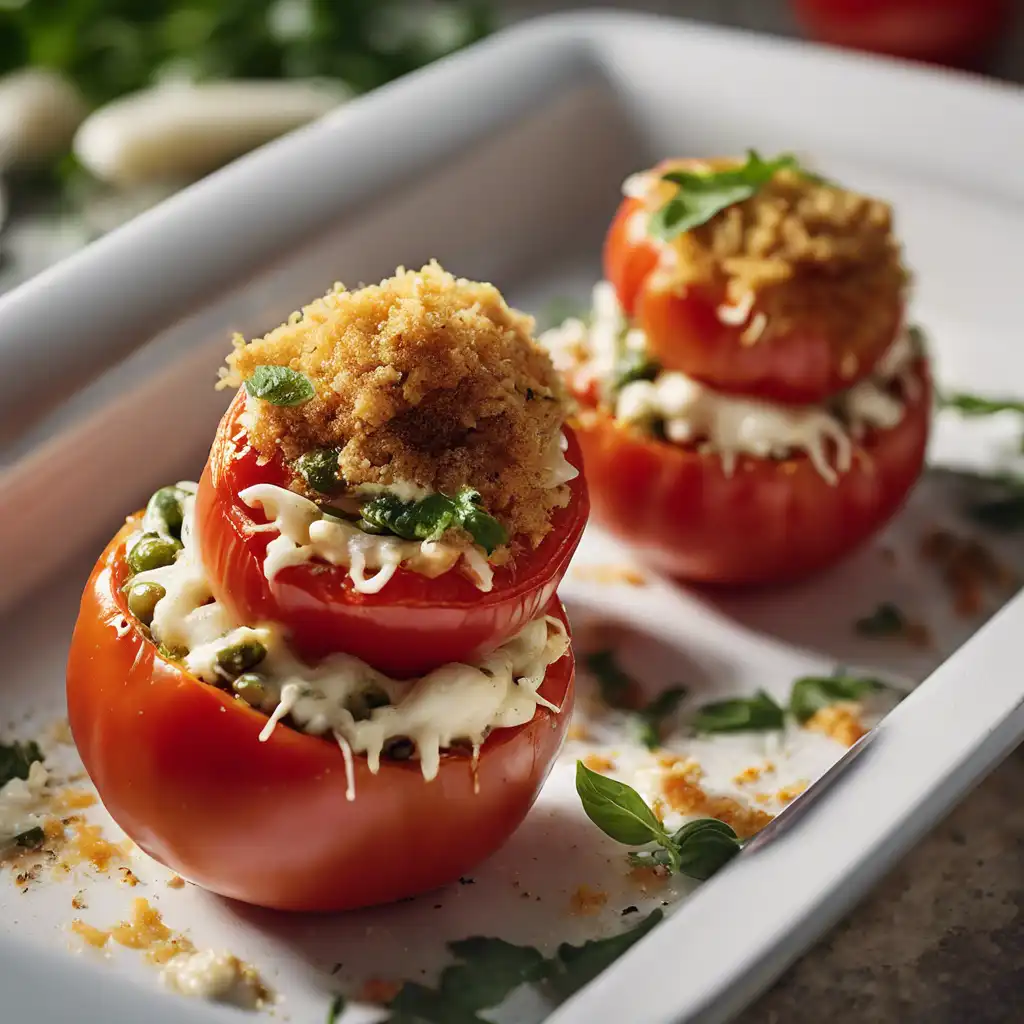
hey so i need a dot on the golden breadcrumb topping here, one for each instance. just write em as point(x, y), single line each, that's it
point(798, 252)
point(425, 379)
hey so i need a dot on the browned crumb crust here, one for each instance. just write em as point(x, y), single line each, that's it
point(810, 254)
point(424, 378)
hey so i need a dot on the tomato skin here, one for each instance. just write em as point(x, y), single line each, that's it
point(627, 263)
point(179, 767)
point(414, 624)
point(769, 522)
point(946, 31)
point(684, 333)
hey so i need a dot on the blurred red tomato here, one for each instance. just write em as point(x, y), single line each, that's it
point(945, 31)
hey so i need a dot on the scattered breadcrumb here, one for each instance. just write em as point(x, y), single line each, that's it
point(753, 773)
point(686, 796)
point(789, 793)
point(680, 764)
point(806, 252)
point(128, 877)
point(578, 731)
point(840, 722)
point(649, 876)
point(424, 378)
point(78, 901)
point(599, 763)
point(610, 574)
point(175, 882)
point(968, 568)
point(378, 990)
point(585, 901)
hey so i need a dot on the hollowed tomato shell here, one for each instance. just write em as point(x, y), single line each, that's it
point(767, 521)
point(414, 624)
point(179, 766)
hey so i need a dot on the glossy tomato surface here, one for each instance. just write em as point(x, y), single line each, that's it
point(947, 31)
point(179, 766)
point(685, 333)
point(414, 623)
point(770, 521)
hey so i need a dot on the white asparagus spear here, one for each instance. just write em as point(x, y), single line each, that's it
point(39, 112)
point(180, 131)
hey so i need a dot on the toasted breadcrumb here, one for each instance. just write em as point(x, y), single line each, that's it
point(585, 901)
point(378, 990)
point(803, 252)
point(425, 379)
point(687, 797)
point(175, 882)
point(840, 722)
point(599, 763)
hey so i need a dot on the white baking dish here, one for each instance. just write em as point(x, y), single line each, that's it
point(505, 163)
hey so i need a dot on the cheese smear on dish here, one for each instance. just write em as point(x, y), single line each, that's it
point(22, 802)
point(731, 425)
point(342, 696)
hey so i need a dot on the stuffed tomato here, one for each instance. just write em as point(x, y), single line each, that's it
point(752, 403)
point(346, 633)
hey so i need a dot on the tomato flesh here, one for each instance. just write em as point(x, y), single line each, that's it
point(179, 766)
point(414, 623)
point(769, 521)
point(627, 262)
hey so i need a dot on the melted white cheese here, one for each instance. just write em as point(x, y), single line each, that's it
point(729, 424)
point(456, 702)
point(304, 534)
point(22, 802)
point(217, 977)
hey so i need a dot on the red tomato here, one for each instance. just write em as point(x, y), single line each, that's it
point(179, 767)
point(627, 262)
point(769, 521)
point(414, 624)
point(684, 333)
point(947, 31)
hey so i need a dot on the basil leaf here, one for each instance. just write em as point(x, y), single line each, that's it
point(417, 1004)
point(616, 809)
point(337, 1008)
point(430, 517)
point(319, 469)
point(16, 759)
point(280, 385)
point(30, 839)
point(812, 693)
point(631, 365)
point(652, 717)
point(704, 847)
point(575, 966)
point(978, 405)
point(701, 196)
point(759, 712)
point(886, 620)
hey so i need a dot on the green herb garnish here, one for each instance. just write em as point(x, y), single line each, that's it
point(16, 759)
point(1004, 514)
point(886, 620)
point(30, 839)
point(431, 517)
point(701, 196)
point(280, 385)
point(319, 468)
point(490, 970)
point(632, 364)
point(759, 712)
point(698, 849)
point(621, 692)
point(336, 1009)
point(974, 406)
point(812, 693)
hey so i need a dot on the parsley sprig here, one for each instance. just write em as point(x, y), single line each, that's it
point(430, 517)
point(489, 970)
point(700, 196)
point(698, 849)
point(280, 385)
point(16, 759)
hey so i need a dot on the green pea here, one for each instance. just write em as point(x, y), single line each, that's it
point(251, 687)
point(399, 748)
point(319, 468)
point(142, 600)
point(164, 512)
point(153, 552)
point(361, 705)
point(236, 659)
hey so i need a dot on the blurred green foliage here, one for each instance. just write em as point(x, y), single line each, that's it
point(111, 47)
